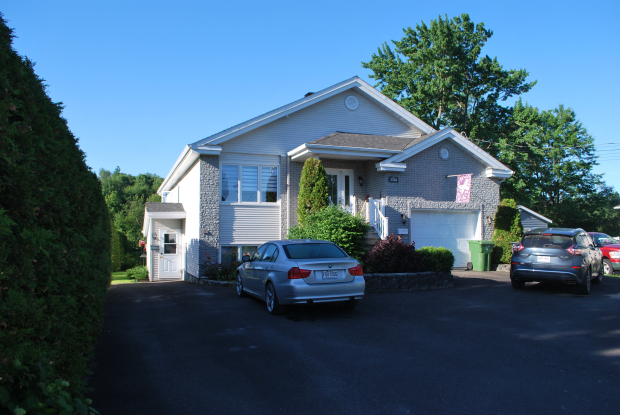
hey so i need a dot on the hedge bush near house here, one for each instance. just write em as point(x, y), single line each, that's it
point(437, 258)
point(508, 229)
point(54, 246)
point(336, 225)
point(138, 273)
point(393, 255)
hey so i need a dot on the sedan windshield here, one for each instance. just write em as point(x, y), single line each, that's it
point(547, 241)
point(313, 251)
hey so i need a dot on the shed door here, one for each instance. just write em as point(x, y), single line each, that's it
point(448, 229)
point(169, 254)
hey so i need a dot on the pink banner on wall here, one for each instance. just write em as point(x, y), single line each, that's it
point(463, 188)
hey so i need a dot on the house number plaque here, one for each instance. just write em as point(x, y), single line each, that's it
point(392, 179)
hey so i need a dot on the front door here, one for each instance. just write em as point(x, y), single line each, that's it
point(340, 188)
point(169, 254)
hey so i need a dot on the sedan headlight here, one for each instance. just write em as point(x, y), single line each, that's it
point(615, 254)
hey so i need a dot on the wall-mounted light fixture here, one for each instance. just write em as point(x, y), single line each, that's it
point(361, 181)
point(403, 217)
point(489, 220)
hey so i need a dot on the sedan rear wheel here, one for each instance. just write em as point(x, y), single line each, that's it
point(240, 292)
point(584, 288)
point(273, 306)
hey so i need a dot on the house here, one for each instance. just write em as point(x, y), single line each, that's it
point(232, 191)
point(531, 219)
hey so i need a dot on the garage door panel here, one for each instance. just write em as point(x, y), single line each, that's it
point(446, 229)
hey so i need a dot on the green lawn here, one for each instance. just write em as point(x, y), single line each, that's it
point(120, 278)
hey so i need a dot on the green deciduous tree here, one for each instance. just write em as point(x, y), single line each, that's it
point(125, 196)
point(438, 74)
point(312, 190)
point(552, 156)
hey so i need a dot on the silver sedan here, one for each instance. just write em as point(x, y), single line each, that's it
point(301, 272)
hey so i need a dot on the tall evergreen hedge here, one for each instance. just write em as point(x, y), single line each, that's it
point(312, 190)
point(508, 229)
point(54, 245)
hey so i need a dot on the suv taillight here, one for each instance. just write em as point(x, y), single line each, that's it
point(574, 251)
point(356, 270)
point(295, 273)
point(518, 248)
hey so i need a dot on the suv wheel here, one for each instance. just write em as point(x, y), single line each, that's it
point(517, 285)
point(584, 288)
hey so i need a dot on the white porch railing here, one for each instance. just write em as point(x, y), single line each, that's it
point(376, 217)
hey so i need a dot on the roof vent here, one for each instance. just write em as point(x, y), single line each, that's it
point(351, 103)
point(308, 94)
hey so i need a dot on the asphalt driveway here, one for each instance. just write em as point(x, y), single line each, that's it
point(478, 348)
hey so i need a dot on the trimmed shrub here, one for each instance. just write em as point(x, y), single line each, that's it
point(393, 255)
point(138, 273)
point(222, 272)
point(312, 190)
point(437, 258)
point(508, 229)
point(55, 245)
point(336, 225)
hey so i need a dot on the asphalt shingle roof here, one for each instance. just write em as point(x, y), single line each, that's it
point(383, 142)
point(164, 207)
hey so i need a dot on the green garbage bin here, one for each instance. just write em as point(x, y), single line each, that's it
point(481, 254)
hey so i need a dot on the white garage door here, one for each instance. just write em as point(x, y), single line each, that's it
point(449, 229)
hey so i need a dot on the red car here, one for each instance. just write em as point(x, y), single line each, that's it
point(610, 247)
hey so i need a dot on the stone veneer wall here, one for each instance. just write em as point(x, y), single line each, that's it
point(424, 185)
point(390, 283)
point(209, 206)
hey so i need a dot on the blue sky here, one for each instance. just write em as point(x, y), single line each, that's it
point(140, 79)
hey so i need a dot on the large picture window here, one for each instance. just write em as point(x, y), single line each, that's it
point(249, 184)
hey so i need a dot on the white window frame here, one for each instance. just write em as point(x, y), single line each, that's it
point(258, 193)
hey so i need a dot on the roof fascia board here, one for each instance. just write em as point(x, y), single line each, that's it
point(184, 162)
point(442, 135)
point(279, 113)
point(166, 215)
point(383, 166)
point(538, 215)
point(379, 96)
point(313, 99)
point(305, 149)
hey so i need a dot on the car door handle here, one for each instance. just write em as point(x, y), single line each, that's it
point(258, 267)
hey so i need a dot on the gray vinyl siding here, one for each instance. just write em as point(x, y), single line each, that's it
point(529, 221)
point(166, 224)
point(316, 121)
point(251, 224)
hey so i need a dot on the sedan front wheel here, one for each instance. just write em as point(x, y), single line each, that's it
point(240, 292)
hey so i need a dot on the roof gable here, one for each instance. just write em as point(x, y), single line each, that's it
point(355, 82)
point(494, 167)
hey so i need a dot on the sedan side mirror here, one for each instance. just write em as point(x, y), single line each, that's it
point(245, 258)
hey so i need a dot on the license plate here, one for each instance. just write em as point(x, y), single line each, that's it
point(329, 275)
point(544, 259)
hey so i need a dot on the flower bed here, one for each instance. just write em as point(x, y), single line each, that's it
point(411, 281)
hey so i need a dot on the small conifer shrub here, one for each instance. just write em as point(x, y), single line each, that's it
point(312, 190)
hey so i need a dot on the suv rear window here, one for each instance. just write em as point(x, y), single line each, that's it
point(547, 241)
point(313, 251)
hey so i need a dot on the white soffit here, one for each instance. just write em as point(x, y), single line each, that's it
point(188, 157)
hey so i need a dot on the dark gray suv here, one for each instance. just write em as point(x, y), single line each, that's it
point(558, 255)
